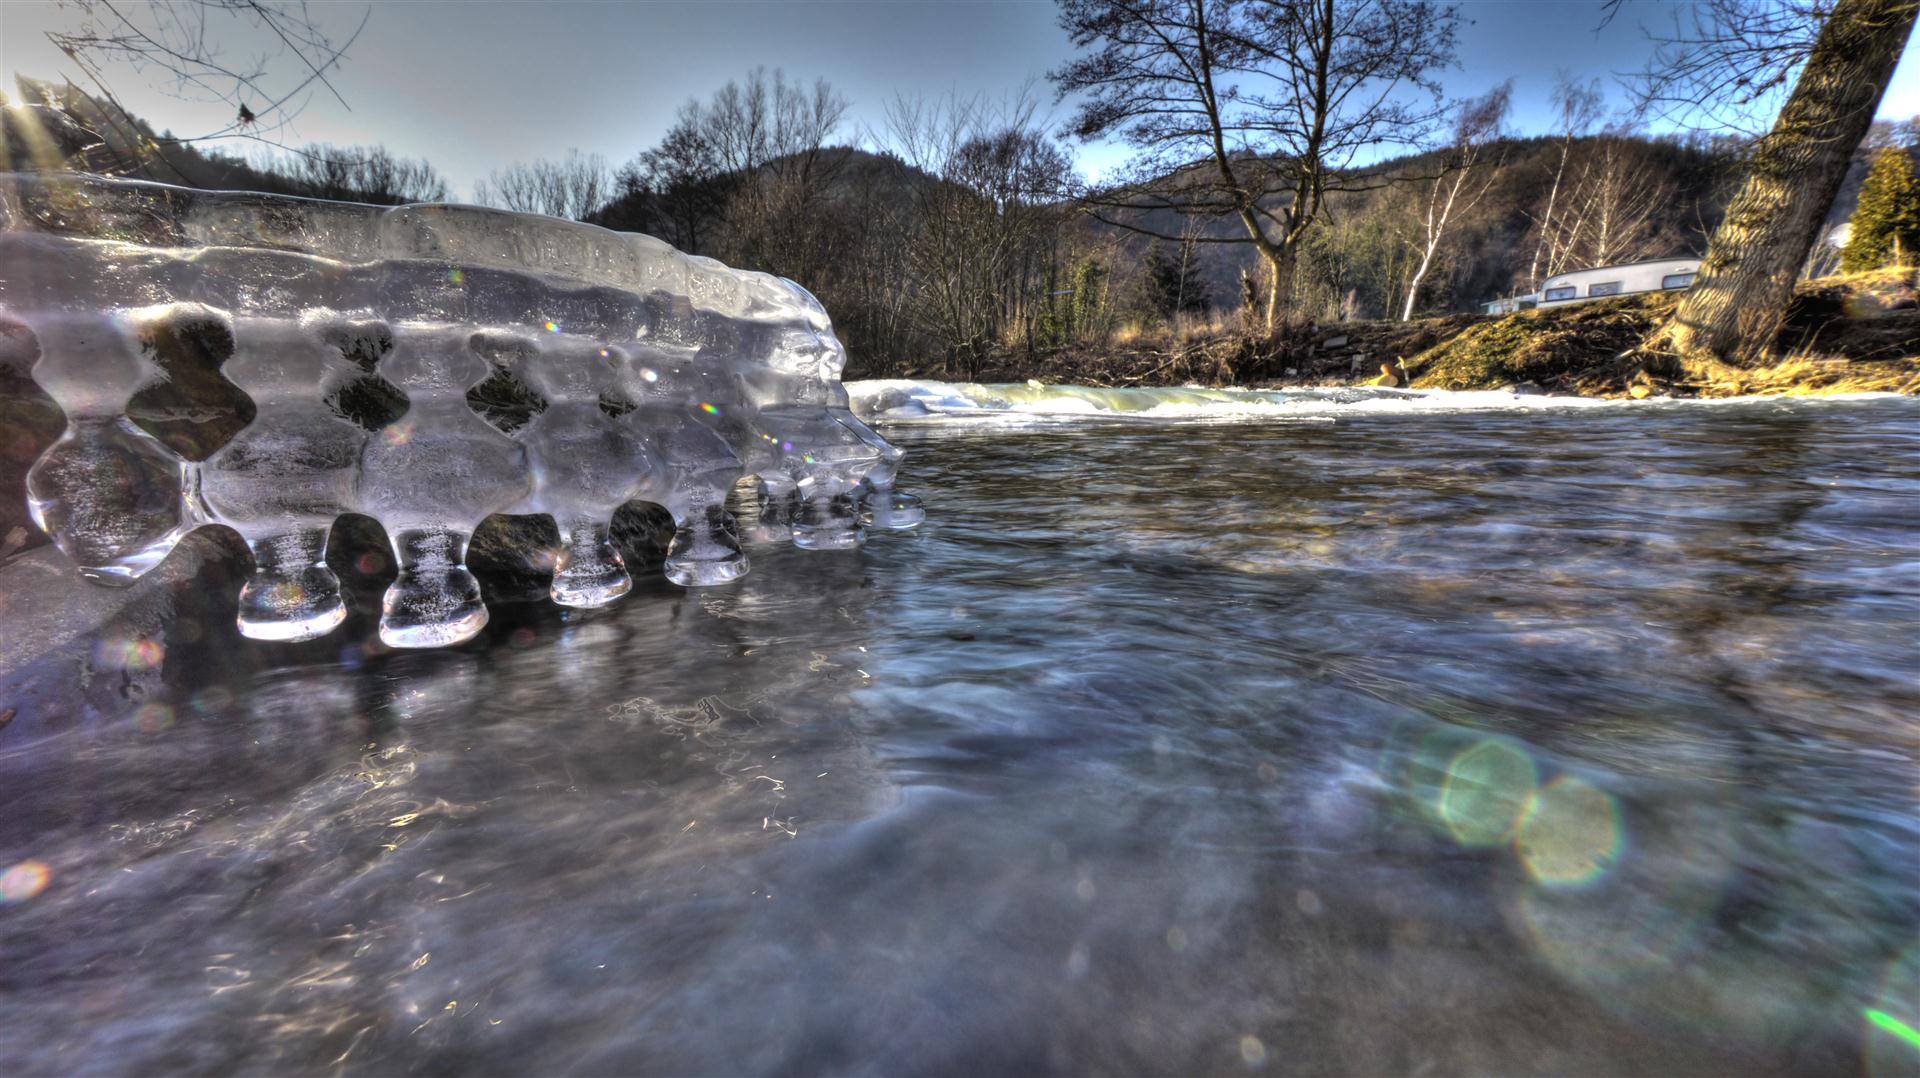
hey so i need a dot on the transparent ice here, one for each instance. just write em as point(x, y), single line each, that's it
point(372, 343)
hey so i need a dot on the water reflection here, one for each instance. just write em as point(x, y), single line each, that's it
point(1476, 743)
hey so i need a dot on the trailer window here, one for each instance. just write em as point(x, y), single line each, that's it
point(1558, 293)
point(1604, 288)
point(1676, 280)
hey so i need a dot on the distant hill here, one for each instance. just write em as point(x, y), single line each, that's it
point(853, 176)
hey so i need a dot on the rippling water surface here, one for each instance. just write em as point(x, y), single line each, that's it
point(1486, 742)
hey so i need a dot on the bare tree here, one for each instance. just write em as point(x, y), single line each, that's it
point(358, 174)
point(574, 187)
point(1723, 64)
point(685, 178)
point(1845, 52)
point(983, 231)
point(1467, 172)
point(1251, 110)
point(770, 137)
point(182, 44)
point(768, 118)
point(1614, 201)
point(1577, 109)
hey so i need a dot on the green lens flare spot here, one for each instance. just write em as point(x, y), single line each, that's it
point(1895, 1026)
point(1486, 789)
point(1569, 834)
point(1891, 1036)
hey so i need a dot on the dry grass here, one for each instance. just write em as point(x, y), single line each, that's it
point(1843, 335)
point(1587, 348)
point(1184, 330)
point(1190, 328)
point(1818, 376)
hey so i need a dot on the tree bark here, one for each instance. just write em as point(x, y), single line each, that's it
point(1273, 287)
point(1279, 258)
point(1436, 228)
point(1737, 304)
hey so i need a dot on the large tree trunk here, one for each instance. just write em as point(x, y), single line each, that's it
point(1736, 306)
point(1276, 273)
point(1280, 259)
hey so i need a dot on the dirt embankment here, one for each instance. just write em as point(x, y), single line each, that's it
point(1844, 334)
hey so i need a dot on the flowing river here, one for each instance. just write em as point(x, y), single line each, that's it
point(1340, 736)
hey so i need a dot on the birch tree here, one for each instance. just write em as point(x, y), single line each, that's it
point(1612, 204)
point(1467, 172)
point(1577, 108)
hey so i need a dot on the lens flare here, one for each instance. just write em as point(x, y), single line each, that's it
point(708, 408)
point(134, 654)
point(1638, 941)
point(1570, 833)
point(1893, 1022)
point(551, 326)
point(1895, 1026)
point(23, 881)
point(1486, 789)
point(153, 716)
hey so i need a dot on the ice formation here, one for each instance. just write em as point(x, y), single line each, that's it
point(361, 337)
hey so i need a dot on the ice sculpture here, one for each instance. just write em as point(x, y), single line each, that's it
point(367, 341)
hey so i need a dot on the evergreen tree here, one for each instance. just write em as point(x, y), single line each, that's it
point(1175, 278)
point(1088, 299)
point(1886, 222)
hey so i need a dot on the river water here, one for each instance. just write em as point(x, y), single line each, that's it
point(1425, 741)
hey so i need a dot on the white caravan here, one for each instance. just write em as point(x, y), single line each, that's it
point(1661, 274)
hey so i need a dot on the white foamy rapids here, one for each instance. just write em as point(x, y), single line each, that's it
point(898, 400)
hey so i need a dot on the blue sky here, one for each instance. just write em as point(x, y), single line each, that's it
point(470, 86)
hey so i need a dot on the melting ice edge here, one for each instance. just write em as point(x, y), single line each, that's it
point(358, 333)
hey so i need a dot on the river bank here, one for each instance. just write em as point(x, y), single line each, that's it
point(1854, 334)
